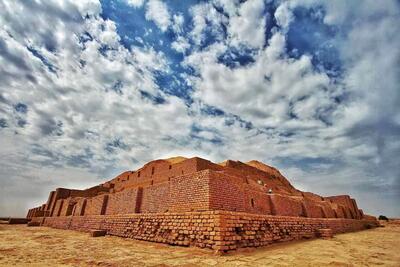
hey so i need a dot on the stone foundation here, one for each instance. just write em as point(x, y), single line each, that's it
point(218, 230)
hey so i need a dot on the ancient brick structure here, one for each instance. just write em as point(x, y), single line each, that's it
point(199, 203)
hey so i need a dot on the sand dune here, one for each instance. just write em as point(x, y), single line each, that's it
point(41, 246)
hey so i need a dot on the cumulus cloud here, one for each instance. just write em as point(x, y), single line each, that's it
point(178, 21)
point(263, 91)
point(206, 20)
point(135, 3)
point(79, 117)
point(354, 115)
point(283, 15)
point(157, 11)
point(180, 44)
point(248, 25)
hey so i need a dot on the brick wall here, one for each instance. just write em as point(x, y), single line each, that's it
point(96, 205)
point(196, 185)
point(218, 189)
point(65, 207)
point(219, 230)
point(155, 198)
point(234, 193)
point(58, 207)
point(190, 192)
point(286, 205)
point(80, 207)
point(185, 229)
point(250, 230)
point(351, 209)
point(312, 209)
point(160, 171)
point(227, 192)
point(123, 202)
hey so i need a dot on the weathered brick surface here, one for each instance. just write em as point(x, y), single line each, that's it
point(219, 230)
point(312, 209)
point(80, 207)
point(97, 233)
point(95, 205)
point(250, 230)
point(196, 202)
point(123, 202)
point(155, 198)
point(58, 207)
point(226, 195)
point(286, 205)
point(190, 192)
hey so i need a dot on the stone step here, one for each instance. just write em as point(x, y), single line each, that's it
point(97, 233)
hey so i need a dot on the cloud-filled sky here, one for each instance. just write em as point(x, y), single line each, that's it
point(91, 88)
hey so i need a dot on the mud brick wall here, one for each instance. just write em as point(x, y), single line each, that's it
point(80, 207)
point(186, 229)
point(339, 211)
point(60, 193)
point(123, 202)
point(249, 230)
point(35, 212)
point(58, 207)
point(65, 207)
point(160, 171)
point(155, 198)
point(218, 230)
point(350, 206)
point(96, 205)
point(227, 192)
point(328, 210)
point(197, 185)
point(286, 206)
point(312, 210)
point(39, 220)
point(190, 192)
point(50, 199)
point(231, 193)
point(258, 202)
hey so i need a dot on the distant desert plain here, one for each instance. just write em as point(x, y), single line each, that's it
point(41, 246)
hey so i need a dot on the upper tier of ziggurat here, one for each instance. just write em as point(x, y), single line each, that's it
point(181, 185)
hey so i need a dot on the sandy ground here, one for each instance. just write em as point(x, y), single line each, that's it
point(41, 246)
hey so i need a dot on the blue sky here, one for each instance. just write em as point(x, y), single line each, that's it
point(92, 88)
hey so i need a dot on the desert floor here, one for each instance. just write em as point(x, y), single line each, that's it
point(41, 246)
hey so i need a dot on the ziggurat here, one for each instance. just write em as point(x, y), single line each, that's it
point(194, 202)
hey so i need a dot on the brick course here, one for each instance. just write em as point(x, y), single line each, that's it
point(218, 230)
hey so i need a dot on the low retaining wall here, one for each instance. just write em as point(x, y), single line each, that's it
point(249, 230)
point(218, 230)
point(18, 220)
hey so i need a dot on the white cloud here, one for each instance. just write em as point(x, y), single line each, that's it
point(205, 17)
point(283, 15)
point(260, 92)
point(248, 26)
point(290, 96)
point(135, 3)
point(180, 44)
point(229, 6)
point(178, 23)
point(73, 115)
point(89, 7)
point(157, 11)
